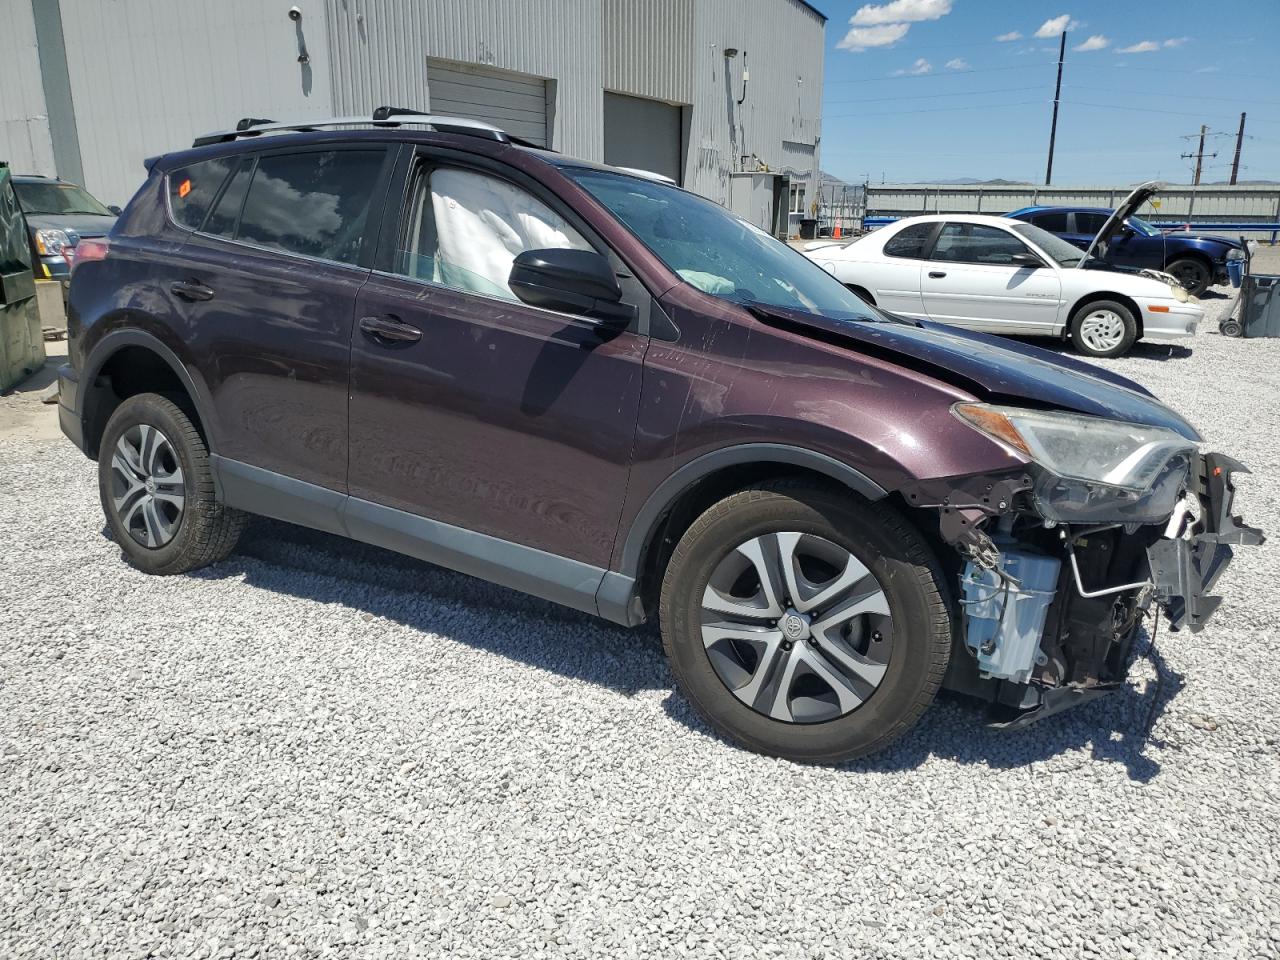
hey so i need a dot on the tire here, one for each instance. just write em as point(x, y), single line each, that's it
point(1192, 273)
point(1103, 328)
point(157, 489)
point(891, 684)
point(1231, 328)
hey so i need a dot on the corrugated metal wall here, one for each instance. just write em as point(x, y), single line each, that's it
point(24, 125)
point(649, 49)
point(783, 44)
point(149, 75)
point(380, 49)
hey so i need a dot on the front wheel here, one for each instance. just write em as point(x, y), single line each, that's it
point(804, 623)
point(1103, 328)
point(1193, 274)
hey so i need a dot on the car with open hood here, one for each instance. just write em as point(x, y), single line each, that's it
point(1003, 276)
point(603, 390)
point(1119, 239)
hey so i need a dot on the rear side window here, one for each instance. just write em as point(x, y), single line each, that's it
point(313, 203)
point(193, 189)
point(1090, 222)
point(1053, 222)
point(222, 220)
point(909, 242)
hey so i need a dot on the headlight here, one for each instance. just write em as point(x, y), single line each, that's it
point(1126, 455)
point(1179, 292)
point(1235, 253)
point(50, 242)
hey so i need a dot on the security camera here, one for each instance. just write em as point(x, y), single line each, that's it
point(295, 13)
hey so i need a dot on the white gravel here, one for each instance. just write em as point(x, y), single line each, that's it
point(317, 749)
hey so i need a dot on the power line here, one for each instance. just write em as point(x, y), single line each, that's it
point(934, 96)
point(934, 76)
point(1116, 106)
point(1159, 93)
point(898, 113)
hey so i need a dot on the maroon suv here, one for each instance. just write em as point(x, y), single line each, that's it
point(590, 385)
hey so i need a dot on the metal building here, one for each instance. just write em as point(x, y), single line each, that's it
point(723, 96)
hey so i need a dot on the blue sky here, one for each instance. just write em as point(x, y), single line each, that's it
point(939, 89)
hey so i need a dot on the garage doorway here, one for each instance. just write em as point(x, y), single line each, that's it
point(646, 134)
point(516, 102)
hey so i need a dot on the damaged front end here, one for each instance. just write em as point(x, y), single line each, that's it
point(1059, 561)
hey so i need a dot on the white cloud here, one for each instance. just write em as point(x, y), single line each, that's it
point(1146, 46)
point(919, 68)
point(1096, 42)
point(1207, 69)
point(1008, 37)
point(1175, 41)
point(900, 11)
point(1051, 28)
point(958, 63)
point(864, 38)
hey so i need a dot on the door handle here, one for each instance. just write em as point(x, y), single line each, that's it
point(191, 290)
point(937, 274)
point(389, 330)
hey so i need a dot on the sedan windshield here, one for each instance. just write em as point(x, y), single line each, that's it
point(1063, 253)
point(1142, 227)
point(717, 252)
point(58, 198)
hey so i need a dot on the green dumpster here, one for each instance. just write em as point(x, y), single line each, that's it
point(21, 340)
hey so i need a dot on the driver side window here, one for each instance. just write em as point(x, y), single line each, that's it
point(465, 229)
point(977, 243)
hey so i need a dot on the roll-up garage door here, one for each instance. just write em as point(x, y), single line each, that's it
point(515, 102)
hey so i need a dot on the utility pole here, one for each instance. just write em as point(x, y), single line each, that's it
point(1199, 154)
point(1235, 163)
point(1057, 95)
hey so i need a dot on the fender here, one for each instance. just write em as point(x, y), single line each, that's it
point(116, 340)
point(618, 599)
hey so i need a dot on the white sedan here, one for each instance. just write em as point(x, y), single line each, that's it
point(1005, 276)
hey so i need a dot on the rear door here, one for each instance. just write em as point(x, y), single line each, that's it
point(970, 281)
point(485, 413)
point(894, 280)
point(267, 290)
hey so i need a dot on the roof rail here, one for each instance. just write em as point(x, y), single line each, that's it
point(382, 117)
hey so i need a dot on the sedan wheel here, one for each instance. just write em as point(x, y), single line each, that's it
point(1103, 328)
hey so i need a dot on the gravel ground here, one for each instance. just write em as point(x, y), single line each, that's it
point(321, 749)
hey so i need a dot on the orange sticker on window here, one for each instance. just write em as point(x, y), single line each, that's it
point(184, 188)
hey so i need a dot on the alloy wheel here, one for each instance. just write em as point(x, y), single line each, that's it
point(796, 627)
point(1102, 330)
point(147, 485)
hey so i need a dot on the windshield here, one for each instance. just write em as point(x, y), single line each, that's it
point(716, 251)
point(1142, 227)
point(1063, 253)
point(58, 198)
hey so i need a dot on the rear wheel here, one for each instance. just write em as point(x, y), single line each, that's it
point(1191, 273)
point(804, 623)
point(157, 489)
point(1103, 328)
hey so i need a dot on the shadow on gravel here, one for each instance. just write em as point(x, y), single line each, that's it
point(316, 566)
point(1142, 350)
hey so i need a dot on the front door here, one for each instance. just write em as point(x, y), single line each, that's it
point(970, 281)
point(473, 409)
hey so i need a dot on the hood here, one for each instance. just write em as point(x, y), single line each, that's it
point(993, 368)
point(76, 225)
point(1128, 207)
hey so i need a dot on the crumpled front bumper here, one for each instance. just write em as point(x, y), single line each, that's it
point(1185, 567)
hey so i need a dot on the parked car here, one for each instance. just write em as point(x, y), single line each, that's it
point(1196, 260)
point(1004, 276)
point(609, 392)
point(59, 214)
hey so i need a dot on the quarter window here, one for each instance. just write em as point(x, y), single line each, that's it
point(909, 242)
point(465, 230)
point(222, 220)
point(193, 189)
point(976, 243)
point(1090, 222)
point(313, 203)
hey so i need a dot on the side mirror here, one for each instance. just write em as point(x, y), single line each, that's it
point(574, 281)
point(114, 209)
point(1027, 259)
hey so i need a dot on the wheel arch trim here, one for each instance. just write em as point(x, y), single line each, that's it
point(111, 344)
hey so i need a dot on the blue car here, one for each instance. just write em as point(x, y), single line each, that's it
point(1197, 261)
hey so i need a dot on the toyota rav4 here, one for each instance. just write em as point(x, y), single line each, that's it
point(593, 386)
